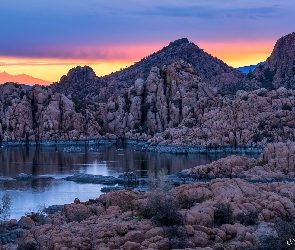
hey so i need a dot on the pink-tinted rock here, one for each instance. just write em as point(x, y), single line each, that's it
point(27, 222)
point(131, 245)
point(157, 231)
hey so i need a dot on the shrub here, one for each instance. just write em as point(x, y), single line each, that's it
point(262, 125)
point(189, 124)
point(133, 92)
point(223, 214)
point(177, 236)
point(22, 93)
point(4, 126)
point(261, 163)
point(286, 231)
point(127, 102)
point(162, 208)
point(37, 217)
point(286, 107)
point(136, 125)
point(28, 246)
point(10, 128)
point(245, 98)
point(268, 242)
point(159, 182)
point(185, 201)
point(283, 240)
point(167, 136)
point(249, 218)
point(5, 204)
point(257, 137)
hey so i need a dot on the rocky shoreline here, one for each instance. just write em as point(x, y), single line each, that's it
point(141, 145)
point(232, 203)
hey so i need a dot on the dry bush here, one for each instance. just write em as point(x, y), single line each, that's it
point(5, 204)
point(177, 236)
point(223, 214)
point(28, 246)
point(161, 206)
point(249, 218)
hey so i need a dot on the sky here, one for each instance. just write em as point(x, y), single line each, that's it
point(45, 38)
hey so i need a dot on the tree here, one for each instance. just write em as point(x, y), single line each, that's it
point(5, 204)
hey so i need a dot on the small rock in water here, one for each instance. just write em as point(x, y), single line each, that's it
point(110, 189)
point(72, 149)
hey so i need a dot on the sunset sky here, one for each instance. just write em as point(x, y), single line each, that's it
point(46, 38)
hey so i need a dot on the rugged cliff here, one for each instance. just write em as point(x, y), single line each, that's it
point(162, 100)
point(279, 68)
point(172, 106)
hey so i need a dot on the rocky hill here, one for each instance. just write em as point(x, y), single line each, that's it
point(82, 82)
point(279, 68)
point(173, 106)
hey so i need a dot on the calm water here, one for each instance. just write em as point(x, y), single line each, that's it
point(53, 162)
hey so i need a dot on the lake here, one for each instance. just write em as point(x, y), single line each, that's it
point(35, 194)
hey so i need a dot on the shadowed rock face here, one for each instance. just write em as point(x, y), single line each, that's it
point(279, 68)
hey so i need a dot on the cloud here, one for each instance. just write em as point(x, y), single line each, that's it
point(66, 52)
point(88, 29)
point(215, 12)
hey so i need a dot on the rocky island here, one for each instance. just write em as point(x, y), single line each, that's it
point(178, 100)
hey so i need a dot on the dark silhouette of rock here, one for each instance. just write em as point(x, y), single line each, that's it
point(279, 68)
point(82, 82)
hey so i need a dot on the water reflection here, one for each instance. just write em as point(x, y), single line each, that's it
point(51, 164)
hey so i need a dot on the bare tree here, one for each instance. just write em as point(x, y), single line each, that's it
point(5, 204)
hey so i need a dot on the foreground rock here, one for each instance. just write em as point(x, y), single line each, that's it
point(223, 213)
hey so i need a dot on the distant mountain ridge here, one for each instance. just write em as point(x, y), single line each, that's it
point(247, 69)
point(22, 78)
point(82, 81)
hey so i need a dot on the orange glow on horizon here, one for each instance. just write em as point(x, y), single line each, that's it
point(52, 69)
point(239, 54)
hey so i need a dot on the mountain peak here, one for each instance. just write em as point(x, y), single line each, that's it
point(279, 68)
point(178, 42)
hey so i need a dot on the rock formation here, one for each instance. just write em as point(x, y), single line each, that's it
point(226, 213)
point(173, 106)
point(212, 71)
point(279, 68)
